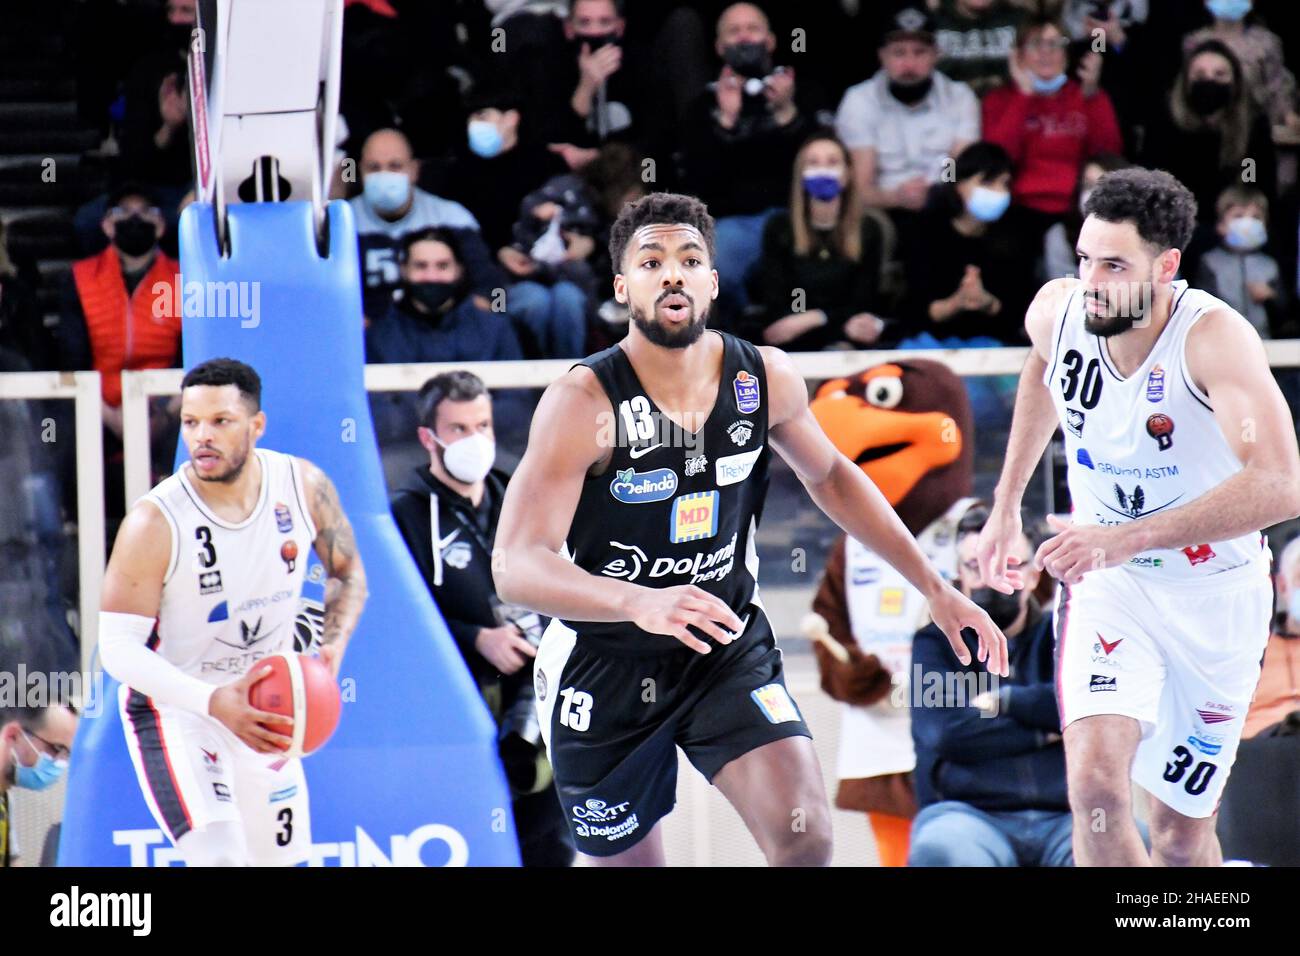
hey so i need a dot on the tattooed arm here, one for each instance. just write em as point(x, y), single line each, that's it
point(345, 577)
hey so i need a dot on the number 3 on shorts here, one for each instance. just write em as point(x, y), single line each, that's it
point(575, 711)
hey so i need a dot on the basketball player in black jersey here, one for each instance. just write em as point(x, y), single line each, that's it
point(647, 465)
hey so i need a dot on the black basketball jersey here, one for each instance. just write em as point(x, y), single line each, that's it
point(675, 507)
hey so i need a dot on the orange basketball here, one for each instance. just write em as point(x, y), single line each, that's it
point(300, 687)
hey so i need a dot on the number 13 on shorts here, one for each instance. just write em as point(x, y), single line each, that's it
point(575, 709)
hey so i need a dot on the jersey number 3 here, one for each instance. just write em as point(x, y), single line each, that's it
point(207, 552)
point(1090, 395)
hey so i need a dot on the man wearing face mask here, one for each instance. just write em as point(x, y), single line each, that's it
point(434, 318)
point(34, 746)
point(742, 135)
point(111, 317)
point(447, 515)
point(905, 123)
point(990, 768)
point(391, 206)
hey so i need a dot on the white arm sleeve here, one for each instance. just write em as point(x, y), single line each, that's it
point(124, 654)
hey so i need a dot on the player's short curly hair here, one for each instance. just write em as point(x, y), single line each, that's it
point(669, 208)
point(227, 371)
point(1162, 208)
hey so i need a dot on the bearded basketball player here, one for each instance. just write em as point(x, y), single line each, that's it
point(204, 582)
point(647, 466)
point(1180, 449)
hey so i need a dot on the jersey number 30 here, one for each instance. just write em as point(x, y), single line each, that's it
point(1091, 393)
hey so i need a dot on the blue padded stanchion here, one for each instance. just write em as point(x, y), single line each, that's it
point(412, 775)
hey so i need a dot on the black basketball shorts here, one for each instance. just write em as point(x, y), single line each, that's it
point(613, 720)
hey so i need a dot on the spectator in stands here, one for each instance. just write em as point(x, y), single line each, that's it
point(447, 515)
point(22, 328)
point(1269, 84)
point(967, 271)
point(500, 164)
point(903, 125)
point(1239, 270)
point(35, 743)
point(118, 307)
point(1278, 693)
point(1059, 257)
point(1135, 61)
point(599, 98)
point(818, 281)
point(975, 39)
point(155, 146)
point(738, 145)
point(435, 319)
point(1049, 123)
point(118, 312)
point(586, 204)
point(990, 767)
point(1210, 138)
point(391, 206)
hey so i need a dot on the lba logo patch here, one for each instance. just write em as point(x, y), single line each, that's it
point(775, 703)
point(693, 517)
point(283, 520)
point(747, 398)
point(1156, 384)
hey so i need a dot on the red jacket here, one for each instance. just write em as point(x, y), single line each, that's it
point(133, 333)
point(1049, 138)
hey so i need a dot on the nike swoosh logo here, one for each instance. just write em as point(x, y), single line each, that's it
point(744, 623)
point(442, 545)
point(638, 452)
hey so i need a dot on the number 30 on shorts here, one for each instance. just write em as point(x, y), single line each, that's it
point(575, 710)
point(1197, 780)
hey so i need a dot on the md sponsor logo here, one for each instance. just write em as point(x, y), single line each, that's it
point(433, 844)
point(633, 487)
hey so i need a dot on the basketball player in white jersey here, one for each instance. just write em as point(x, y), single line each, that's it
point(205, 581)
point(1180, 449)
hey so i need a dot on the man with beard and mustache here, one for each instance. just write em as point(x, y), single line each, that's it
point(647, 465)
point(990, 768)
point(204, 582)
point(1180, 447)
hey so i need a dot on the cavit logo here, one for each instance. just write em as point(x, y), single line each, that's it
point(433, 844)
point(74, 908)
point(588, 816)
point(633, 487)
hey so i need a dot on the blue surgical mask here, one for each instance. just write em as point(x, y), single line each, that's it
point(1245, 234)
point(822, 184)
point(1233, 10)
point(44, 775)
point(1048, 87)
point(484, 138)
point(387, 191)
point(988, 205)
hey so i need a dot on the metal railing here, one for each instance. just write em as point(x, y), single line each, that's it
point(84, 389)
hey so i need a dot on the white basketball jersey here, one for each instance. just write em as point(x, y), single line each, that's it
point(232, 591)
point(1136, 446)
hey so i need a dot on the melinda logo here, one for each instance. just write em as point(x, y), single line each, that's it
point(638, 487)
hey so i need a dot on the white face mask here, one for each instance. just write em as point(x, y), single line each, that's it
point(469, 459)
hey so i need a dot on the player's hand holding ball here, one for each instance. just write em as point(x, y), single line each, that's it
point(670, 611)
point(262, 730)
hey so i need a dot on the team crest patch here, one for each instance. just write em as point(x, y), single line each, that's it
point(693, 517)
point(283, 520)
point(740, 431)
point(746, 387)
point(775, 703)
